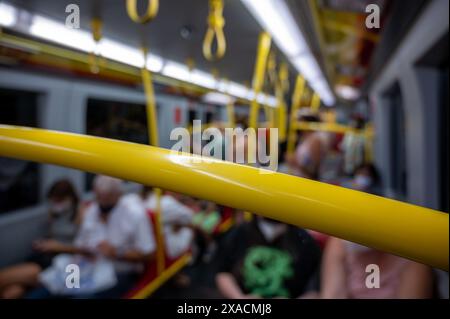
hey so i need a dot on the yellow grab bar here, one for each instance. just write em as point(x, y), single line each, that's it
point(326, 127)
point(403, 229)
point(149, 15)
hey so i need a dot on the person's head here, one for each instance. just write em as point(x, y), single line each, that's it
point(357, 122)
point(366, 177)
point(146, 191)
point(306, 116)
point(271, 229)
point(62, 198)
point(108, 191)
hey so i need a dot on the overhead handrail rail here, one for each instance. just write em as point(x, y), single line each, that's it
point(216, 23)
point(410, 231)
point(149, 15)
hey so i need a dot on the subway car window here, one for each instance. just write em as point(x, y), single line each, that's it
point(116, 120)
point(19, 180)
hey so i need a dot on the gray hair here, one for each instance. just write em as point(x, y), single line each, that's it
point(107, 184)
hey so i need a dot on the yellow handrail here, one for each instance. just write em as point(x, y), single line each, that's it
point(216, 23)
point(296, 104)
point(94, 60)
point(149, 15)
point(325, 127)
point(403, 229)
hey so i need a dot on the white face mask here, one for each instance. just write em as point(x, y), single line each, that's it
point(61, 207)
point(357, 248)
point(270, 230)
point(363, 181)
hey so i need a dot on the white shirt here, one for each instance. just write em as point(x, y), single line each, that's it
point(127, 228)
point(177, 242)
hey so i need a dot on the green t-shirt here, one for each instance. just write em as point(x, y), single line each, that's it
point(206, 221)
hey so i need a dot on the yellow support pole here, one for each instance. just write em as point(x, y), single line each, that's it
point(258, 76)
point(296, 104)
point(152, 124)
point(410, 231)
point(315, 103)
point(230, 115)
point(281, 87)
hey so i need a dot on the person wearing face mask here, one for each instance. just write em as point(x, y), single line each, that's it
point(113, 243)
point(344, 262)
point(268, 259)
point(63, 221)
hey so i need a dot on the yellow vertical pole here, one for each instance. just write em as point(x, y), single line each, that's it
point(230, 115)
point(315, 103)
point(152, 124)
point(258, 76)
point(282, 85)
point(296, 104)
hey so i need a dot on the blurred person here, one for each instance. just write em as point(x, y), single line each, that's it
point(205, 223)
point(353, 146)
point(268, 259)
point(114, 241)
point(64, 216)
point(344, 263)
point(176, 219)
point(310, 151)
point(344, 274)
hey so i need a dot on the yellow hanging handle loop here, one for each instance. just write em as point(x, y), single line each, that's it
point(94, 60)
point(149, 15)
point(152, 124)
point(216, 23)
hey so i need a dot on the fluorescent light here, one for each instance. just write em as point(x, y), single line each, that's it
point(8, 15)
point(237, 90)
point(203, 79)
point(177, 71)
point(348, 92)
point(54, 31)
point(217, 98)
point(306, 64)
point(274, 17)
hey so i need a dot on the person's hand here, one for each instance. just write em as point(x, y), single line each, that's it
point(47, 245)
point(107, 249)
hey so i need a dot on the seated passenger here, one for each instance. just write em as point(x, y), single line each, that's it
point(311, 149)
point(63, 221)
point(344, 263)
point(176, 219)
point(344, 273)
point(114, 240)
point(268, 259)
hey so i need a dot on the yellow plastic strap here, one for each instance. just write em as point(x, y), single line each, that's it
point(410, 231)
point(216, 23)
point(296, 104)
point(152, 123)
point(149, 15)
